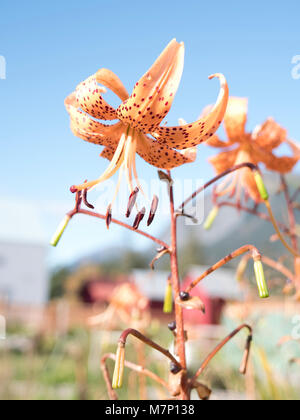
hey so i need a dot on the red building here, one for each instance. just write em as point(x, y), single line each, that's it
point(215, 291)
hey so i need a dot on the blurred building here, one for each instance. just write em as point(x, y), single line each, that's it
point(98, 290)
point(24, 278)
point(215, 291)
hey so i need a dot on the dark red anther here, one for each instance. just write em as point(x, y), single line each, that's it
point(139, 218)
point(153, 210)
point(132, 201)
point(73, 189)
point(85, 200)
point(108, 216)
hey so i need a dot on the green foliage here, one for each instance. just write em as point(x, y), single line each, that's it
point(57, 282)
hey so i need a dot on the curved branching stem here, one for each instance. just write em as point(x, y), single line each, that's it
point(175, 279)
point(148, 342)
point(280, 235)
point(295, 195)
point(221, 345)
point(125, 225)
point(291, 215)
point(216, 179)
point(80, 197)
point(247, 248)
point(278, 267)
point(254, 212)
point(137, 368)
point(111, 392)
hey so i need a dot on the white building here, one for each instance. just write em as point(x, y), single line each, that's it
point(24, 278)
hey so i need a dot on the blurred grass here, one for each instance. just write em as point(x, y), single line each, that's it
point(67, 367)
point(60, 368)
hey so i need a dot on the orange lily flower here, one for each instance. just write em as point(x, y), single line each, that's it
point(139, 116)
point(256, 147)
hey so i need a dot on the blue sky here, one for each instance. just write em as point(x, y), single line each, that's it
point(51, 46)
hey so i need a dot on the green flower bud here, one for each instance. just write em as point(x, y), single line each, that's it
point(260, 280)
point(211, 218)
point(60, 230)
point(117, 381)
point(261, 186)
point(168, 303)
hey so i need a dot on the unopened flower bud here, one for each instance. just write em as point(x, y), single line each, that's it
point(211, 218)
point(168, 302)
point(260, 280)
point(60, 230)
point(261, 186)
point(119, 367)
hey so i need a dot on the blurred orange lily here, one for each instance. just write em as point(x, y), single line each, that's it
point(140, 115)
point(256, 147)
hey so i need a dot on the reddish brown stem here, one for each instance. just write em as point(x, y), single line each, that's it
point(278, 267)
point(216, 179)
point(247, 248)
point(219, 347)
point(180, 338)
point(149, 342)
point(112, 394)
point(291, 215)
point(118, 222)
point(295, 195)
point(254, 211)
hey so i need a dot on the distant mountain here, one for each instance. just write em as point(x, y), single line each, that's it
point(231, 230)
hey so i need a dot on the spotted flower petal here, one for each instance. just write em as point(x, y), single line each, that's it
point(236, 118)
point(162, 156)
point(89, 99)
point(282, 164)
point(84, 127)
point(215, 141)
point(108, 153)
point(295, 147)
point(110, 80)
point(190, 135)
point(153, 94)
point(269, 135)
point(224, 160)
